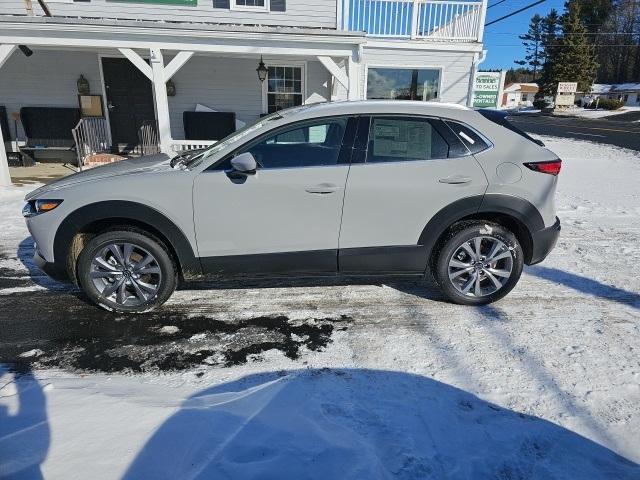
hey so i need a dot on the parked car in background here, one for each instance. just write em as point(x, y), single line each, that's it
point(343, 188)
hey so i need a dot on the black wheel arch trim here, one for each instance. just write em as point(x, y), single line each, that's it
point(494, 203)
point(121, 210)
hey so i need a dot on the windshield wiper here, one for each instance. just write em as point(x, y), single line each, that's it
point(177, 159)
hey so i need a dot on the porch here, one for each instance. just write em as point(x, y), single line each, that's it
point(146, 87)
point(154, 85)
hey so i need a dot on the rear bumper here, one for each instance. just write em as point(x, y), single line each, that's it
point(51, 269)
point(543, 242)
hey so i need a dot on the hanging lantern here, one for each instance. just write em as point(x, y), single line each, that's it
point(83, 86)
point(171, 88)
point(262, 70)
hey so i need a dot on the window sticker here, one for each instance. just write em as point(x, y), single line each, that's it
point(402, 139)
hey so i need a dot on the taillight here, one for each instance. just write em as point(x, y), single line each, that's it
point(551, 167)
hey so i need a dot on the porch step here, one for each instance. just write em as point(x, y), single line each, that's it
point(101, 159)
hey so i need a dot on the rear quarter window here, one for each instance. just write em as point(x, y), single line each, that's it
point(471, 139)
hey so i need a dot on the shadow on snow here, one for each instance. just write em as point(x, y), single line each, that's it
point(24, 428)
point(587, 285)
point(354, 424)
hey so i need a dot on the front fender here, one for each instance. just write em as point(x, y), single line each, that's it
point(126, 212)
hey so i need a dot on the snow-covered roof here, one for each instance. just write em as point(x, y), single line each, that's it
point(521, 87)
point(600, 88)
point(616, 87)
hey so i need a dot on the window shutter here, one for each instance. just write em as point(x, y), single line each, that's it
point(278, 5)
point(221, 4)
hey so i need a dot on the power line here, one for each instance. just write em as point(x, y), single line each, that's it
point(555, 46)
point(515, 13)
point(497, 3)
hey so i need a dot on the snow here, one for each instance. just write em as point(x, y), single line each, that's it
point(616, 87)
point(543, 384)
point(592, 113)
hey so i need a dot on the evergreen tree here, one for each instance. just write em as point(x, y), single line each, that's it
point(594, 14)
point(518, 75)
point(532, 44)
point(550, 27)
point(571, 58)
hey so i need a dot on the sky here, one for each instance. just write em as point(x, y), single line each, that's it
point(501, 39)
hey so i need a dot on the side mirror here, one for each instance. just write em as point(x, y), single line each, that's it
point(244, 164)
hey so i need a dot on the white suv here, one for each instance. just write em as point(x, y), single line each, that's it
point(378, 187)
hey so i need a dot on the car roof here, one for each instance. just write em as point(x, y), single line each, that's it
point(362, 107)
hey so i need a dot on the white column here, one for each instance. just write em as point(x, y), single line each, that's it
point(5, 178)
point(162, 100)
point(481, 20)
point(354, 77)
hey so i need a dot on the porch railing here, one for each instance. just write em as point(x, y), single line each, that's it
point(91, 136)
point(148, 138)
point(185, 145)
point(437, 20)
point(149, 141)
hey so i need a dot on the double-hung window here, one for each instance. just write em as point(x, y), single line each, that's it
point(285, 87)
point(260, 5)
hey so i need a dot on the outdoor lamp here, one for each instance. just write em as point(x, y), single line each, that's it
point(26, 50)
point(171, 88)
point(262, 70)
point(83, 86)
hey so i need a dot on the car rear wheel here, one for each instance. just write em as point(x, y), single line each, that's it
point(126, 271)
point(479, 263)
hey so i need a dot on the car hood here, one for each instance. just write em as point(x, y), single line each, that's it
point(130, 166)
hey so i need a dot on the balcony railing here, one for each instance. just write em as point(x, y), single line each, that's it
point(437, 20)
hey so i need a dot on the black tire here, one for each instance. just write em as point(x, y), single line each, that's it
point(165, 281)
point(452, 244)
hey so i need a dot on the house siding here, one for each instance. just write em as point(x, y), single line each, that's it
point(299, 13)
point(231, 85)
point(456, 68)
point(46, 79)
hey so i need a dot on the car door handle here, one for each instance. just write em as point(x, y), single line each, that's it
point(322, 188)
point(455, 179)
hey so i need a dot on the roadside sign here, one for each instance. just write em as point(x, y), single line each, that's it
point(486, 89)
point(567, 87)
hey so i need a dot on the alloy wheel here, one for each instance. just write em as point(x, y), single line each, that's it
point(125, 274)
point(480, 266)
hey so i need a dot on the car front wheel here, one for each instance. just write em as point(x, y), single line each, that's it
point(126, 271)
point(479, 263)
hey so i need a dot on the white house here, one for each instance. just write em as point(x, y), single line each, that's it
point(519, 95)
point(150, 61)
point(629, 93)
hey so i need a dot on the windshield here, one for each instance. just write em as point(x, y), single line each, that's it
point(231, 139)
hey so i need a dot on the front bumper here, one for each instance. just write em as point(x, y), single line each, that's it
point(54, 271)
point(543, 242)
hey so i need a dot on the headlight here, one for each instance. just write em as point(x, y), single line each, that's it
point(36, 207)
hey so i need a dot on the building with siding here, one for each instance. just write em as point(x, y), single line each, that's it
point(629, 93)
point(150, 61)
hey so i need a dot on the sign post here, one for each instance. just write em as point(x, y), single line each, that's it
point(566, 96)
point(487, 89)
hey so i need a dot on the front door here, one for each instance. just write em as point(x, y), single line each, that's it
point(129, 101)
point(286, 217)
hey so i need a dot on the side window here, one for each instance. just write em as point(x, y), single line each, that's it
point(310, 144)
point(404, 139)
point(469, 137)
